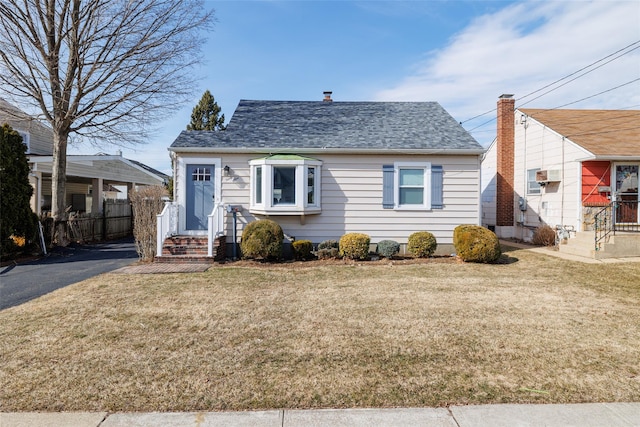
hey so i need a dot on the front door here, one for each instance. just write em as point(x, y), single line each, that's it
point(200, 194)
point(626, 192)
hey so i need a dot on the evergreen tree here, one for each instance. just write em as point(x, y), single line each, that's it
point(205, 114)
point(17, 218)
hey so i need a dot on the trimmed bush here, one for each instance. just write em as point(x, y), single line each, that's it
point(388, 248)
point(302, 249)
point(476, 244)
point(328, 244)
point(328, 249)
point(354, 246)
point(422, 244)
point(544, 236)
point(262, 239)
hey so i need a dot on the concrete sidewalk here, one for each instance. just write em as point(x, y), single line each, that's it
point(555, 253)
point(507, 415)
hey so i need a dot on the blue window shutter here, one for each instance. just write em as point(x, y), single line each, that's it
point(436, 187)
point(387, 187)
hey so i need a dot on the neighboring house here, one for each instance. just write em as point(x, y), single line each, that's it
point(87, 175)
point(561, 167)
point(322, 169)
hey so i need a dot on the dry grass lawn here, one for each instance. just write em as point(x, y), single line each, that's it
point(533, 329)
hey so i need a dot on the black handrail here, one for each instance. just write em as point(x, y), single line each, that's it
point(603, 225)
point(620, 215)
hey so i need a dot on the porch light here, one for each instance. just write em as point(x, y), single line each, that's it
point(227, 170)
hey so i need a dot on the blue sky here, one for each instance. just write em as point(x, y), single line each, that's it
point(462, 54)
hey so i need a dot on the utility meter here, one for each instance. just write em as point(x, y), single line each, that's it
point(522, 204)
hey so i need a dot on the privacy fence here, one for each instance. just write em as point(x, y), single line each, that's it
point(115, 222)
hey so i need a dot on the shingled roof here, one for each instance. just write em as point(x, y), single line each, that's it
point(601, 132)
point(316, 125)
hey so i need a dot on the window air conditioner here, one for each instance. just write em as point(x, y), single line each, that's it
point(551, 175)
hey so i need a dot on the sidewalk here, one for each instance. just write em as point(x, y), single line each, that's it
point(506, 415)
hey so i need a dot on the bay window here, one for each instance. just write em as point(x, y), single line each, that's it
point(285, 185)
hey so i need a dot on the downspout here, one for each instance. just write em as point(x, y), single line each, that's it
point(480, 189)
point(563, 189)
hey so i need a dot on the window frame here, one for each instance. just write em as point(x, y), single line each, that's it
point(426, 185)
point(261, 200)
point(530, 181)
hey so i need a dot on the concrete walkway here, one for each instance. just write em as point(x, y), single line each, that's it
point(555, 253)
point(578, 415)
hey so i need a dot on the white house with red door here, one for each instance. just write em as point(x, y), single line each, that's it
point(570, 169)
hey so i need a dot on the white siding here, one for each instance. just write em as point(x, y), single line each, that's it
point(40, 136)
point(488, 183)
point(537, 146)
point(351, 198)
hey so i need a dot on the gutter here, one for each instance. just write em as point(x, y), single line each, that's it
point(316, 151)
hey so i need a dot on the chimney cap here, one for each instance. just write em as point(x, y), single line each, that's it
point(506, 96)
point(327, 96)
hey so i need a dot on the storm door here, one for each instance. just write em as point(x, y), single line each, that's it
point(626, 192)
point(200, 194)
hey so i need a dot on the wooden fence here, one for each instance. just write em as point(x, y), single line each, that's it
point(115, 222)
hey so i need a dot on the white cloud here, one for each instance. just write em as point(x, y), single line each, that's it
point(524, 47)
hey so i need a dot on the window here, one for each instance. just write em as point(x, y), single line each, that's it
point(25, 139)
point(533, 187)
point(201, 174)
point(257, 185)
point(285, 185)
point(412, 186)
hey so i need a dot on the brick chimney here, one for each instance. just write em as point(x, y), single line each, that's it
point(505, 157)
point(327, 96)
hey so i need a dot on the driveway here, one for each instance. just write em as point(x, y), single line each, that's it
point(22, 282)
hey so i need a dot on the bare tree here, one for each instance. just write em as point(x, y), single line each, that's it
point(103, 70)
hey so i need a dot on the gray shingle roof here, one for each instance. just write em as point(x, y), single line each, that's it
point(290, 125)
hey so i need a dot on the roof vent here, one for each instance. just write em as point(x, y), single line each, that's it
point(327, 96)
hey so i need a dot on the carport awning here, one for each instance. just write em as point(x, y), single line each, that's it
point(114, 169)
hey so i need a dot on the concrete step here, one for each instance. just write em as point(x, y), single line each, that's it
point(620, 245)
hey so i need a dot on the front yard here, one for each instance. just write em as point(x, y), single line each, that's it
point(533, 329)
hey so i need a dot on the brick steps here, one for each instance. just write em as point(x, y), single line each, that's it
point(191, 249)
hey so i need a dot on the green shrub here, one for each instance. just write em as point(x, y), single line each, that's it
point(476, 244)
point(388, 248)
point(16, 217)
point(422, 244)
point(302, 249)
point(354, 246)
point(262, 239)
point(544, 236)
point(328, 249)
point(328, 244)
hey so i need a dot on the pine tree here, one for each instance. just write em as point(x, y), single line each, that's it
point(205, 114)
point(17, 218)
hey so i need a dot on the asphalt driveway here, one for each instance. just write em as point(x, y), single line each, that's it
point(22, 282)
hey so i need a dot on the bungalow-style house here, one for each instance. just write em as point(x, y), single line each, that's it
point(87, 175)
point(322, 169)
point(576, 170)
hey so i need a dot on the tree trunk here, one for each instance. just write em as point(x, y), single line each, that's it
point(58, 187)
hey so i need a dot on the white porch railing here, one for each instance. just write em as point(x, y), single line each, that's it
point(214, 226)
point(167, 225)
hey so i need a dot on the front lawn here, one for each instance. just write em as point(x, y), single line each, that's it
point(533, 329)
